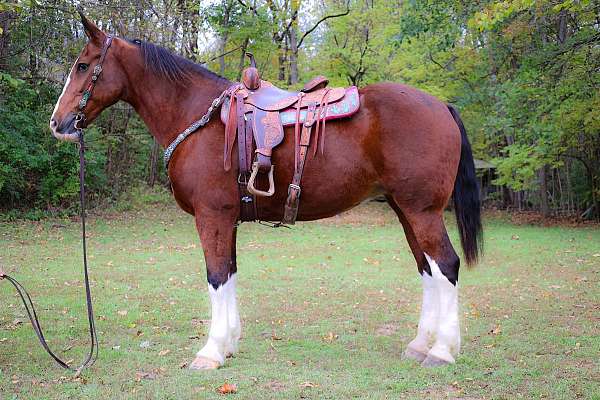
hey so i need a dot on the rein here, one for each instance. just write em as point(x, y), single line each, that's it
point(92, 355)
point(28, 303)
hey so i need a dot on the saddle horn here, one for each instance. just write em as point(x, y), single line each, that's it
point(252, 60)
point(250, 75)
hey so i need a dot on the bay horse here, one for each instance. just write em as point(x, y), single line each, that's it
point(402, 143)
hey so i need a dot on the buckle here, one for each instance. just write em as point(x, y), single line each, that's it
point(294, 187)
point(79, 118)
point(242, 179)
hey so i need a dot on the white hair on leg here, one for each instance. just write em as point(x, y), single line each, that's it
point(224, 327)
point(447, 343)
point(428, 322)
point(235, 326)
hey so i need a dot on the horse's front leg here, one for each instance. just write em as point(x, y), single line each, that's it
point(217, 234)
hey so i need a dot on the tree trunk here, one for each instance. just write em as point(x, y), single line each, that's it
point(293, 77)
point(154, 156)
point(562, 26)
point(5, 17)
point(293, 40)
point(543, 175)
point(224, 39)
point(281, 59)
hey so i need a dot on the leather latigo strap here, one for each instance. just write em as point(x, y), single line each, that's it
point(230, 129)
point(248, 208)
point(241, 135)
point(293, 200)
point(239, 127)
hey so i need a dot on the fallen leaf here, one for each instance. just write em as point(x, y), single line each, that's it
point(122, 313)
point(308, 385)
point(227, 388)
point(163, 353)
point(496, 330)
point(145, 375)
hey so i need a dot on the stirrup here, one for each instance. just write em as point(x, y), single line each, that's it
point(257, 192)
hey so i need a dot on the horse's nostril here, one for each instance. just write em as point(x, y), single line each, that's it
point(53, 123)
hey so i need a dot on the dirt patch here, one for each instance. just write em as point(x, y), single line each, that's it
point(386, 330)
point(275, 386)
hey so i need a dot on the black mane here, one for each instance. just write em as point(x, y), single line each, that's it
point(173, 67)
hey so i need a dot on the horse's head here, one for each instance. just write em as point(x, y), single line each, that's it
point(76, 106)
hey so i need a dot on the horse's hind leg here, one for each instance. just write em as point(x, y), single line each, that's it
point(418, 348)
point(218, 234)
point(443, 263)
point(440, 285)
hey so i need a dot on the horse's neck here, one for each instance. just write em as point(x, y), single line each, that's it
point(168, 108)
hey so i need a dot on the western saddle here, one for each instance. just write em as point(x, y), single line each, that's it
point(256, 112)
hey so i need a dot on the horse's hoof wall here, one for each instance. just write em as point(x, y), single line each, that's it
point(412, 354)
point(203, 363)
point(432, 361)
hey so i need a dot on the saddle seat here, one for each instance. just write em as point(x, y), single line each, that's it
point(269, 97)
point(258, 111)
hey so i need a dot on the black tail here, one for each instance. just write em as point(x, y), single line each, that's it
point(467, 205)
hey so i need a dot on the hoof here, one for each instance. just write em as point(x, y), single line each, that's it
point(432, 361)
point(412, 354)
point(203, 363)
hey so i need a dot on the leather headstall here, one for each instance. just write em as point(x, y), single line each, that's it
point(87, 94)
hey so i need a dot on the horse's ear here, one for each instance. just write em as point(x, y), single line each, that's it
point(93, 33)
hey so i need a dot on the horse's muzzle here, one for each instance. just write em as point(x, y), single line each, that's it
point(66, 130)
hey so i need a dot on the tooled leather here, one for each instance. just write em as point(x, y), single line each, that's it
point(342, 108)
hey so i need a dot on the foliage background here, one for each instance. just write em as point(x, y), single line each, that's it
point(524, 73)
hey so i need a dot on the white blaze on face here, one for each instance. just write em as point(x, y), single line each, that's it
point(447, 343)
point(54, 126)
point(225, 327)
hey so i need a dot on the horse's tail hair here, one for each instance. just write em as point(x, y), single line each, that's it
point(467, 205)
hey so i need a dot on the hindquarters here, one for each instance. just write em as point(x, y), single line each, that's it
point(423, 151)
point(420, 145)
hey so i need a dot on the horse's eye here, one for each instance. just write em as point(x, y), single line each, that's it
point(81, 67)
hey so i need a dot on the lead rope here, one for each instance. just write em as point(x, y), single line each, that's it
point(28, 303)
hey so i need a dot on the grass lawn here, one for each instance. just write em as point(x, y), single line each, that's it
point(327, 309)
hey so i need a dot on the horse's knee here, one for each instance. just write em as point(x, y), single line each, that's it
point(219, 274)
